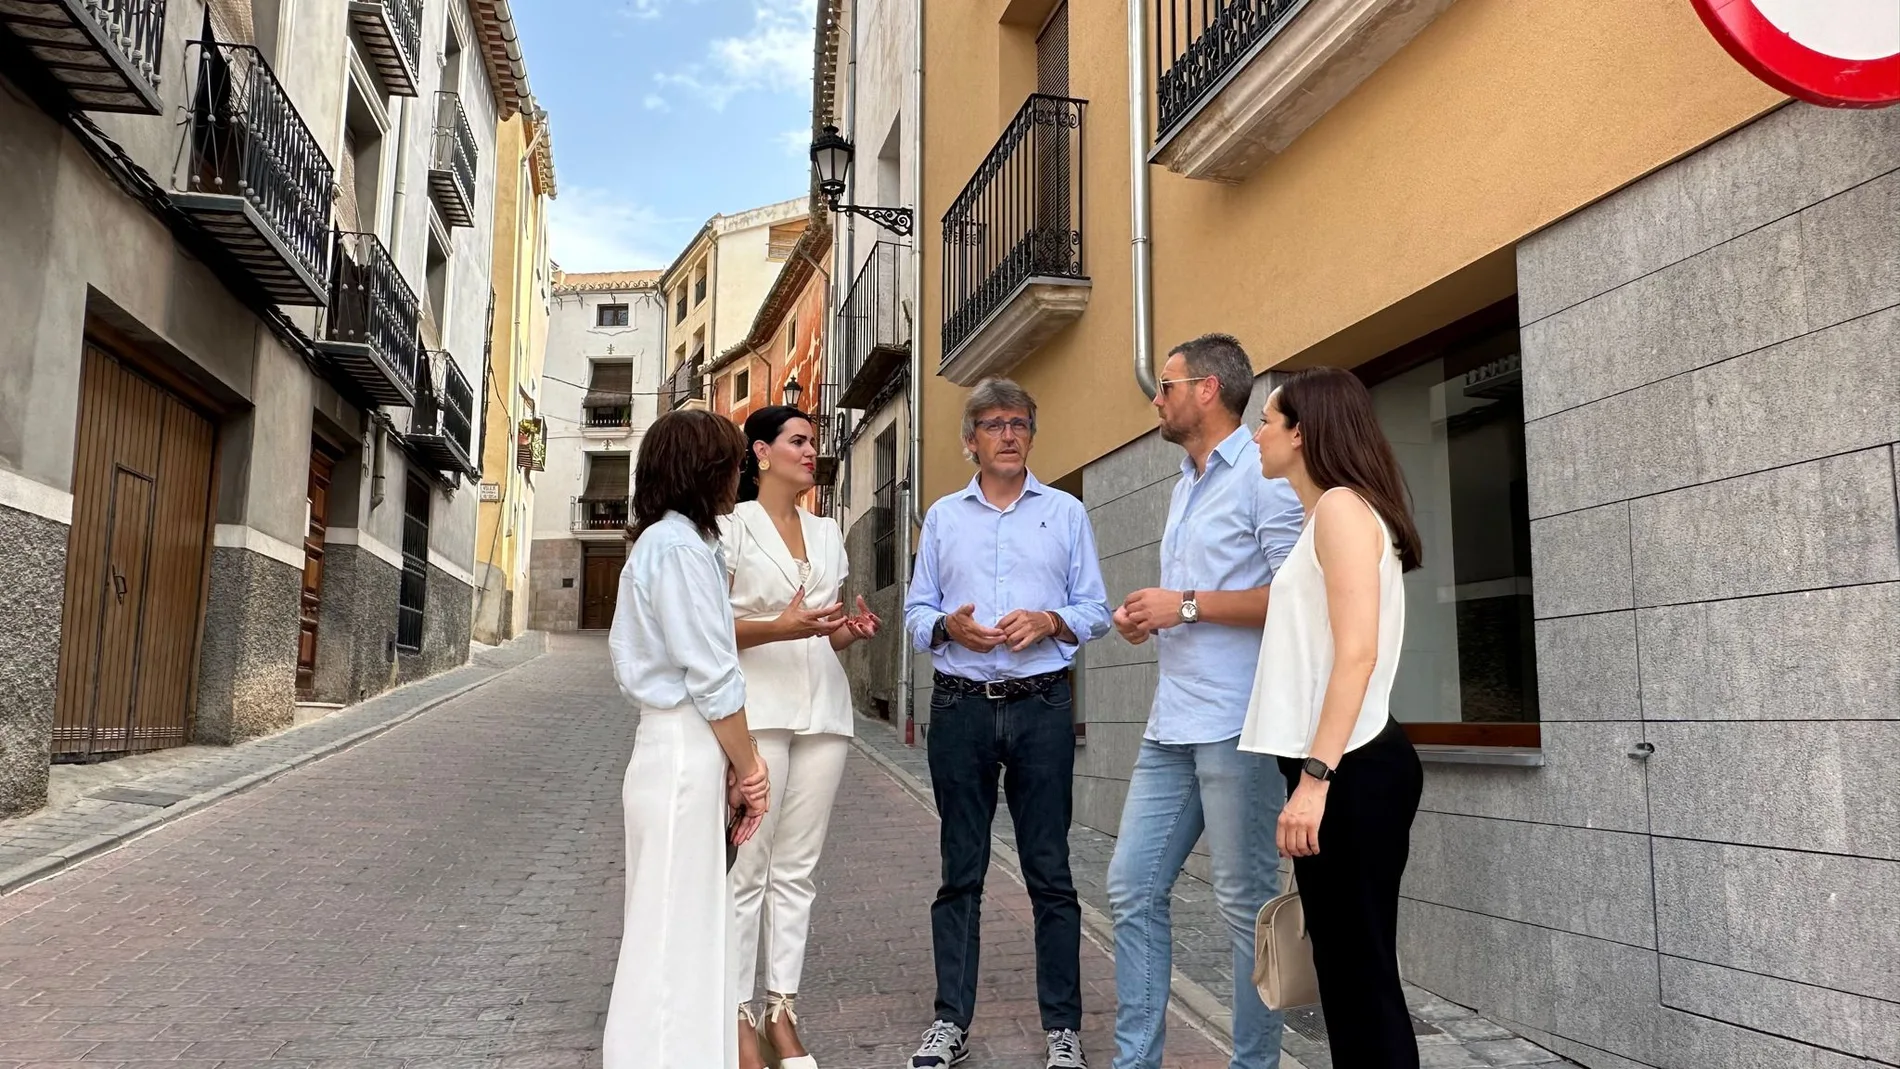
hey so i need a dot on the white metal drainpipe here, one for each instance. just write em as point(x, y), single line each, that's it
point(911, 516)
point(1140, 239)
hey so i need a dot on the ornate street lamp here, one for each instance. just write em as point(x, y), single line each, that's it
point(792, 391)
point(831, 160)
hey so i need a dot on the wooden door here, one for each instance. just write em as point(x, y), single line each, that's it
point(135, 565)
point(317, 506)
point(600, 585)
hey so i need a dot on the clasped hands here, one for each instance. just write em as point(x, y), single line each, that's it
point(1146, 611)
point(1019, 630)
point(797, 621)
point(749, 797)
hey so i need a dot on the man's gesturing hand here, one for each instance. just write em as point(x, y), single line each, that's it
point(972, 636)
point(1153, 609)
point(1024, 627)
point(1128, 628)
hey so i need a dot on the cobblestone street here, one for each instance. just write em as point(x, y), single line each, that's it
point(448, 894)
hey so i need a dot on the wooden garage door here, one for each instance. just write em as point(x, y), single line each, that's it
point(135, 565)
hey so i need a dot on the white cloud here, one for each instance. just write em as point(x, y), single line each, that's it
point(591, 229)
point(647, 9)
point(656, 102)
point(775, 56)
point(796, 142)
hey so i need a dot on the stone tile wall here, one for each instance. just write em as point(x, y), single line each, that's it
point(551, 606)
point(32, 599)
point(1712, 384)
point(247, 665)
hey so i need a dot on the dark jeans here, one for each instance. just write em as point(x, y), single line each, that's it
point(1031, 741)
point(1350, 891)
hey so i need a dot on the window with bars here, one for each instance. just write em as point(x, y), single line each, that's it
point(415, 565)
point(884, 508)
point(611, 315)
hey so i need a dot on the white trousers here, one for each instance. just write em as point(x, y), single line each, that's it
point(672, 1007)
point(772, 885)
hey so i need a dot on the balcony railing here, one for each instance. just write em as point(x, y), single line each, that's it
point(1019, 218)
point(873, 332)
point(103, 53)
point(258, 183)
point(391, 31)
point(369, 333)
point(1197, 42)
point(688, 383)
point(607, 411)
point(452, 163)
point(442, 424)
point(599, 514)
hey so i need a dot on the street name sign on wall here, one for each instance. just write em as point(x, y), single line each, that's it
point(1837, 53)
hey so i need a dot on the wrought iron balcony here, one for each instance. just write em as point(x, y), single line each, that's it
point(441, 426)
point(1013, 269)
point(605, 413)
point(369, 331)
point(259, 184)
point(688, 383)
point(599, 514)
point(391, 31)
point(873, 332)
point(103, 53)
point(452, 163)
point(1198, 42)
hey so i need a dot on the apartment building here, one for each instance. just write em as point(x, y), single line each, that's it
point(246, 288)
point(1629, 316)
point(714, 287)
point(603, 385)
point(514, 434)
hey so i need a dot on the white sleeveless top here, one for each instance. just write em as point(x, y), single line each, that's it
point(1296, 653)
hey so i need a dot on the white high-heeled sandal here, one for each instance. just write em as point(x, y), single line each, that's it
point(776, 1006)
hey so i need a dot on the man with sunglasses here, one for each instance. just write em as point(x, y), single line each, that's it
point(1007, 586)
point(1228, 530)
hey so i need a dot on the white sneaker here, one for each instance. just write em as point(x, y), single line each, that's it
point(944, 1045)
point(1065, 1050)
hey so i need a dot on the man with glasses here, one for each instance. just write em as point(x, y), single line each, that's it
point(1227, 531)
point(1007, 587)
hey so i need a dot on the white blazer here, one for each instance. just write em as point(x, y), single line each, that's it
point(798, 685)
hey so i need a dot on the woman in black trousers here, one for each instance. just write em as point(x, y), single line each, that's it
point(1335, 622)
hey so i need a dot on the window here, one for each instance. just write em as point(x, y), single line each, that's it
point(611, 315)
point(791, 337)
point(679, 307)
point(609, 399)
point(1468, 674)
point(699, 285)
point(415, 565)
point(741, 386)
point(436, 298)
point(884, 508)
point(781, 239)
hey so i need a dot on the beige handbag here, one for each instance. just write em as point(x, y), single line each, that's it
point(1282, 954)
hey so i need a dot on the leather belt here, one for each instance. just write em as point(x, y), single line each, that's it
point(999, 689)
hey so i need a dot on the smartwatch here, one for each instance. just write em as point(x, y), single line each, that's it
point(940, 633)
point(1190, 609)
point(1318, 769)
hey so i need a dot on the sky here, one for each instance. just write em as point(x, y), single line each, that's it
point(665, 112)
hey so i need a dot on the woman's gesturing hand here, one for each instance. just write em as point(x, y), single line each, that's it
point(797, 621)
point(1298, 832)
point(863, 623)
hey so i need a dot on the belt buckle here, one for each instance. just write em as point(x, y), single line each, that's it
point(994, 689)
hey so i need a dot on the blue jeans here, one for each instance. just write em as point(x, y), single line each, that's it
point(1028, 743)
point(1176, 793)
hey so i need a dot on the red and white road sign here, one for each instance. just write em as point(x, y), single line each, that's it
point(1839, 53)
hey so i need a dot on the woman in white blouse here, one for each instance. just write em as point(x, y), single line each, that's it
point(787, 567)
point(674, 657)
point(1328, 653)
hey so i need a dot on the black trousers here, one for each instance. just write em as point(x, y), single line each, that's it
point(1029, 743)
point(1350, 891)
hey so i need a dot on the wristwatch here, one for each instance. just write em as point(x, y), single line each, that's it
point(940, 633)
point(1318, 769)
point(1190, 609)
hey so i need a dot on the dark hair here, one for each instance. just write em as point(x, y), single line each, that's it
point(686, 465)
point(1220, 356)
point(765, 425)
point(1344, 446)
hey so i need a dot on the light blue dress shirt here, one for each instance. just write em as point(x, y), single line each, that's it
point(1228, 529)
point(1037, 554)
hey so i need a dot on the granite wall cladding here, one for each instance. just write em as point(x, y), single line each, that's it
point(872, 667)
point(1710, 380)
point(356, 626)
point(247, 667)
point(446, 618)
point(32, 598)
point(552, 606)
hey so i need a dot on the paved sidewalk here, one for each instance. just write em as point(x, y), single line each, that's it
point(1449, 1036)
point(48, 839)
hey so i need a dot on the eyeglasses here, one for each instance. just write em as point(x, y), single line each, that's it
point(995, 427)
point(1165, 383)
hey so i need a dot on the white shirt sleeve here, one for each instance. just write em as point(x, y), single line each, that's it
point(696, 628)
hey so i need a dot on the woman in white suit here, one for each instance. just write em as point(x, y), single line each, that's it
point(787, 567)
